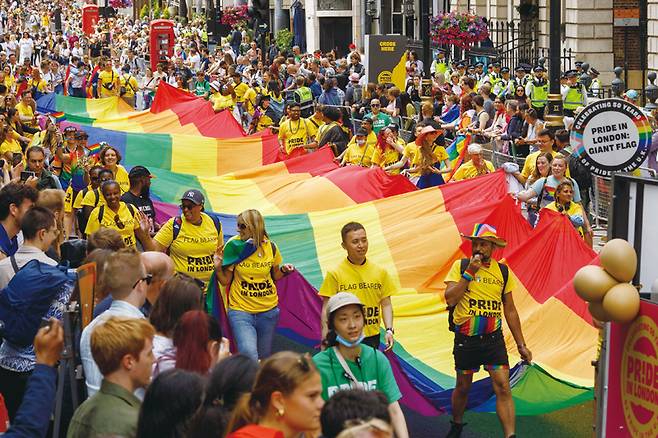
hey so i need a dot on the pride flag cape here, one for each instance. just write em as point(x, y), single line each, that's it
point(187, 154)
point(416, 236)
point(174, 112)
point(456, 152)
point(313, 182)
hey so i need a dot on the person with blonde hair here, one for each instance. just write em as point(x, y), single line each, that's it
point(53, 200)
point(123, 350)
point(124, 275)
point(105, 238)
point(249, 265)
point(285, 401)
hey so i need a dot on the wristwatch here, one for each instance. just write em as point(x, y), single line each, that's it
point(390, 329)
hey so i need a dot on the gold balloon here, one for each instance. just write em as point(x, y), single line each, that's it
point(596, 310)
point(592, 282)
point(619, 259)
point(622, 302)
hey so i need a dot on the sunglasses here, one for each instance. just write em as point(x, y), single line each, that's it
point(187, 206)
point(242, 226)
point(148, 279)
point(117, 221)
point(375, 105)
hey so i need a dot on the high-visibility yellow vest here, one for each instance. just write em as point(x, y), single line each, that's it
point(574, 98)
point(539, 94)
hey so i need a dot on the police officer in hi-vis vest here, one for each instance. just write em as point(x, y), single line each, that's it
point(573, 94)
point(537, 90)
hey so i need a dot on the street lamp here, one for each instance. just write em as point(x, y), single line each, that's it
point(553, 118)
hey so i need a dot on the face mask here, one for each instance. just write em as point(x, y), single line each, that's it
point(360, 142)
point(349, 344)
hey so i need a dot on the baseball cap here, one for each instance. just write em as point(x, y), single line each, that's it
point(340, 300)
point(215, 85)
point(632, 94)
point(361, 132)
point(194, 196)
point(138, 171)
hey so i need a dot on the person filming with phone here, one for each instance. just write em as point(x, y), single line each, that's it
point(478, 293)
point(36, 158)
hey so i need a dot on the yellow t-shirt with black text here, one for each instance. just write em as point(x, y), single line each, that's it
point(92, 198)
point(129, 83)
point(358, 155)
point(70, 204)
point(121, 177)
point(294, 134)
point(194, 247)
point(253, 289)
point(369, 282)
point(129, 220)
point(481, 308)
point(107, 79)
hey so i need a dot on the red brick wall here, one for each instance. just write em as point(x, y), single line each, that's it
point(626, 41)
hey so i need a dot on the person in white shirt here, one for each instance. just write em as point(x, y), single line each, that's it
point(126, 278)
point(39, 232)
point(26, 45)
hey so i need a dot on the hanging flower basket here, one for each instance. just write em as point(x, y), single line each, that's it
point(459, 29)
point(118, 4)
point(235, 15)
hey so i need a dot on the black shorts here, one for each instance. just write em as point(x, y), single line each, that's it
point(473, 351)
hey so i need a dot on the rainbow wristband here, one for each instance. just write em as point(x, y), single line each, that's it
point(466, 276)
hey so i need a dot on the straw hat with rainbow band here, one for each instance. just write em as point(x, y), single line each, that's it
point(486, 232)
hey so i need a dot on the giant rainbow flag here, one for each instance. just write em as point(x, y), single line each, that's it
point(174, 111)
point(416, 235)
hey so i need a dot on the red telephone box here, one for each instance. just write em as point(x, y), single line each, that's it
point(89, 18)
point(162, 41)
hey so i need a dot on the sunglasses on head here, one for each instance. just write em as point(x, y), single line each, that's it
point(117, 221)
point(148, 279)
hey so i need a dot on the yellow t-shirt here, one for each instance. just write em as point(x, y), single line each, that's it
point(253, 289)
point(194, 247)
point(574, 209)
point(127, 217)
point(10, 145)
point(105, 79)
point(294, 134)
point(358, 155)
point(468, 170)
point(24, 110)
point(369, 282)
point(240, 91)
point(9, 82)
point(312, 126)
point(412, 153)
point(531, 162)
point(126, 79)
point(92, 198)
point(481, 308)
point(220, 102)
point(386, 158)
point(250, 100)
point(121, 177)
point(39, 85)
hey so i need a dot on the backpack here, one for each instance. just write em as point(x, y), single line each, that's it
point(27, 298)
point(504, 270)
point(82, 220)
point(178, 223)
point(101, 211)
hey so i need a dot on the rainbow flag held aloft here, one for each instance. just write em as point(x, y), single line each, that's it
point(94, 149)
point(173, 112)
point(416, 235)
point(187, 154)
point(312, 182)
point(457, 152)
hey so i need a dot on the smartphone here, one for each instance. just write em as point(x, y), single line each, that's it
point(16, 159)
point(25, 175)
point(45, 322)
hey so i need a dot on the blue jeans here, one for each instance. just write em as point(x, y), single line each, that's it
point(254, 332)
